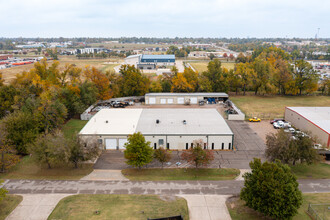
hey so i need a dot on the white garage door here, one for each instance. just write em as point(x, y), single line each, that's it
point(110, 144)
point(162, 101)
point(152, 100)
point(193, 100)
point(122, 143)
point(170, 101)
point(180, 100)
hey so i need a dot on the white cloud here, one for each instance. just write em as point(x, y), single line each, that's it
point(161, 18)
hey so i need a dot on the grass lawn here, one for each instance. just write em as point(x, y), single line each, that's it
point(180, 174)
point(239, 211)
point(28, 169)
point(201, 66)
point(72, 127)
point(314, 171)
point(119, 207)
point(8, 204)
point(274, 106)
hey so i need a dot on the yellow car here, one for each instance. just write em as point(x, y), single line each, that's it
point(254, 119)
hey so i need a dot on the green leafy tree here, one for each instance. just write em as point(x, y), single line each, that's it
point(82, 150)
point(138, 151)
point(198, 156)
point(211, 56)
point(8, 157)
point(7, 99)
point(50, 149)
point(305, 77)
point(132, 82)
point(162, 155)
point(22, 129)
point(271, 189)
point(281, 146)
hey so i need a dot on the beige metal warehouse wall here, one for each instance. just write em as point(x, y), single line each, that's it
point(305, 125)
point(175, 99)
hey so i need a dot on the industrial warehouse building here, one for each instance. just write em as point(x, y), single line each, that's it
point(150, 62)
point(313, 119)
point(182, 98)
point(174, 129)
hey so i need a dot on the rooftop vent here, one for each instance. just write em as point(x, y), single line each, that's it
point(157, 121)
point(184, 122)
point(106, 121)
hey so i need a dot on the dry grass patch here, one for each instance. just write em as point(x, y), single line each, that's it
point(8, 204)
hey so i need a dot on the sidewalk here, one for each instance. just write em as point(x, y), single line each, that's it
point(207, 207)
point(104, 175)
point(36, 206)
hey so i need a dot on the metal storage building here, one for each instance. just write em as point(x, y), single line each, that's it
point(313, 119)
point(182, 98)
point(174, 129)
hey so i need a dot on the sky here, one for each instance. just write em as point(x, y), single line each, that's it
point(165, 18)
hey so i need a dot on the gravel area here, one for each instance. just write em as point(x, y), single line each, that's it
point(262, 128)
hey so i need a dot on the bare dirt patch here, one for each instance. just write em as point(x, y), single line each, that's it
point(262, 128)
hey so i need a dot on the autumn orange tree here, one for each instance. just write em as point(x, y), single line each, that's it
point(101, 82)
point(198, 156)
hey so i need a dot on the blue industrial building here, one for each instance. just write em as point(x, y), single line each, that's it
point(158, 59)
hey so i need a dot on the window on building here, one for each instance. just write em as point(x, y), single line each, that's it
point(168, 146)
point(187, 146)
point(204, 145)
point(155, 146)
point(223, 146)
point(229, 146)
point(212, 146)
point(161, 142)
point(192, 145)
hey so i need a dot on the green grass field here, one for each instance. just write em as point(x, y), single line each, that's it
point(314, 171)
point(8, 204)
point(274, 106)
point(201, 66)
point(239, 211)
point(180, 174)
point(28, 169)
point(79, 207)
point(72, 127)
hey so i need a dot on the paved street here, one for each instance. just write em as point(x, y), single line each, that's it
point(229, 187)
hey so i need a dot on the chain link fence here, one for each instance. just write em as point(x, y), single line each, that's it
point(319, 211)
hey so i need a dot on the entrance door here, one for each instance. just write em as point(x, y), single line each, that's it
point(152, 101)
point(193, 100)
point(122, 142)
point(180, 100)
point(110, 144)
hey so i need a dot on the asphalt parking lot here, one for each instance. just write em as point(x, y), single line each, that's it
point(247, 143)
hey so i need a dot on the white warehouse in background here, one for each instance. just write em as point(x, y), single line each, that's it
point(174, 129)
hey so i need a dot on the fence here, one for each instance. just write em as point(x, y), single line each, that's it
point(319, 211)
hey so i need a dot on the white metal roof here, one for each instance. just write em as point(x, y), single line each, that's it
point(128, 121)
point(320, 116)
point(204, 94)
point(113, 121)
point(198, 121)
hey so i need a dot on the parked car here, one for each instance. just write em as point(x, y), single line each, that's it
point(317, 146)
point(254, 119)
point(276, 125)
point(292, 130)
point(276, 120)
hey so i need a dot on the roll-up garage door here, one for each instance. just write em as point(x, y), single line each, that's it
point(180, 100)
point(110, 144)
point(169, 101)
point(193, 100)
point(152, 100)
point(162, 101)
point(122, 143)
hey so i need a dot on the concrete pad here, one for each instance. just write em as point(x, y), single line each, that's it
point(36, 206)
point(207, 207)
point(102, 175)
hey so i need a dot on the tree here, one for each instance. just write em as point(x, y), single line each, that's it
point(1, 79)
point(271, 189)
point(211, 56)
point(198, 156)
point(281, 146)
point(8, 157)
point(216, 76)
point(50, 149)
point(305, 77)
point(162, 155)
point(180, 84)
point(132, 82)
point(100, 81)
point(82, 150)
point(138, 151)
point(7, 94)
point(22, 129)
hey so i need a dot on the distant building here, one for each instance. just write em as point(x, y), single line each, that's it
point(5, 56)
point(313, 119)
point(150, 62)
